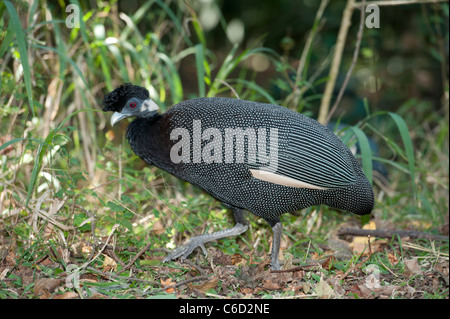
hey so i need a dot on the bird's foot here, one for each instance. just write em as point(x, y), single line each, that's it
point(183, 251)
point(275, 265)
point(198, 241)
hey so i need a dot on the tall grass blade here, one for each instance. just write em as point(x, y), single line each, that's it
point(120, 61)
point(137, 16)
point(5, 145)
point(175, 21)
point(231, 62)
point(364, 146)
point(32, 11)
point(255, 87)
point(409, 149)
point(22, 47)
point(6, 42)
point(86, 38)
point(173, 77)
point(43, 146)
point(61, 54)
point(61, 48)
point(199, 62)
point(197, 26)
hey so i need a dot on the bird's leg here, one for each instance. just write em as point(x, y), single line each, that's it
point(198, 241)
point(276, 229)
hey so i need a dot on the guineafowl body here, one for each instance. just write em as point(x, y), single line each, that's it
point(251, 156)
point(381, 173)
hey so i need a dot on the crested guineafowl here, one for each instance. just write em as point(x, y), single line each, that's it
point(251, 156)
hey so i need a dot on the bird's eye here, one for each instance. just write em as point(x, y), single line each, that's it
point(133, 105)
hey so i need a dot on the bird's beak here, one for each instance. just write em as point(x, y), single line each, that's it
point(116, 117)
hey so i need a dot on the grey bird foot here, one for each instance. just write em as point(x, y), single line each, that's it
point(275, 265)
point(198, 241)
point(185, 250)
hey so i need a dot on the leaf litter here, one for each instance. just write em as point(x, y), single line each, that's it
point(344, 268)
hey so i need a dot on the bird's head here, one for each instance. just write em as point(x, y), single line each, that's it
point(129, 100)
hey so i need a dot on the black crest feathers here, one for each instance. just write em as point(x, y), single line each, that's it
point(115, 100)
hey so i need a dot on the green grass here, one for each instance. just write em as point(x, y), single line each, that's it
point(70, 186)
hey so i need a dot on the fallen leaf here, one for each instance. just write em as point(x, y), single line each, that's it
point(67, 295)
point(275, 280)
point(4, 272)
point(44, 286)
point(247, 279)
point(288, 263)
point(358, 246)
point(360, 243)
point(315, 256)
point(378, 244)
point(248, 292)
point(26, 274)
point(323, 289)
point(219, 257)
point(3, 140)
point(49, 231)
point(296, 287)
point(370, 225)
point(393, 260)
point(236, 259)
point(45, 294)
point(46, 262)
point(210, 284)
point(410, 291)
point(306, 287)
point(377, 292)
point(355, 290)
point(109, 264)
point(387, 290)
point(436, 283)
point(412, 267)
point(86, 249)
point(271, 285)
point(328, 264)
point(158, 227)
point(341, 249)
point(262, 265)
point(337, 288)
point(168, 282)
point(10, 259)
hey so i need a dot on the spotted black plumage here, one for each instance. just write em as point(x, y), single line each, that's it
point(306, 152)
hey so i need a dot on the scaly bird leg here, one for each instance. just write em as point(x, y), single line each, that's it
point(185, 250)
point(275, 263)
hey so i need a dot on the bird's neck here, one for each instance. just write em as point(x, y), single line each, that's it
point(150, 140)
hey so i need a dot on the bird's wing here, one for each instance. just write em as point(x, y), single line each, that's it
point(312, 158)
point(306, 153)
